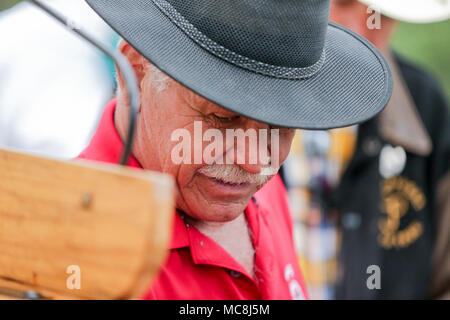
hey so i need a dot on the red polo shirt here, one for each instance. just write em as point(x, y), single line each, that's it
point(197, 267)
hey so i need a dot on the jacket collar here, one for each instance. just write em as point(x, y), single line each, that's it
point(400, 122)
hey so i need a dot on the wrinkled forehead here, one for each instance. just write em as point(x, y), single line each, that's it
point(199, 103)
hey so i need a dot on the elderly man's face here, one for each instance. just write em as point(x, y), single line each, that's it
point(350, 13)
point(216, 193)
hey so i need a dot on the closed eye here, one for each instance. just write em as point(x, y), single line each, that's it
point(225, 119)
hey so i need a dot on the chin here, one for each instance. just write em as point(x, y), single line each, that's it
point(217, 212)
point(224, 215)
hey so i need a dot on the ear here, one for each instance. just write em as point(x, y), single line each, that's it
point(137, 61)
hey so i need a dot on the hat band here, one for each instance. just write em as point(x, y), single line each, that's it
point(233, 57)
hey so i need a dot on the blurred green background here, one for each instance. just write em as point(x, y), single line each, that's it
point(428, 46)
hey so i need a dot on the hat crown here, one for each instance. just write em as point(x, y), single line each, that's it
point(285, 33)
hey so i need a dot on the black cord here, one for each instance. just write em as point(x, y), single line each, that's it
point(122, 64)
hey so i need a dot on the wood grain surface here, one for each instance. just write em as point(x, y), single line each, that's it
point(112, 222)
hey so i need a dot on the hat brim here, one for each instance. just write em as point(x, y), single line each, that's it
point(412, 11)
point(354, 84)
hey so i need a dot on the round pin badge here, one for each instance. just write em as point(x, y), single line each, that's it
point(392, 161)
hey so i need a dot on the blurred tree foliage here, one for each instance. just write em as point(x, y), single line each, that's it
point(4, 4)
point(428, 46)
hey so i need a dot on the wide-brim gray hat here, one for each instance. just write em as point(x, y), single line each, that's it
point(278, 62)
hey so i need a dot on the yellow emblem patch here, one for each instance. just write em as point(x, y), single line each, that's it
point(398, 195)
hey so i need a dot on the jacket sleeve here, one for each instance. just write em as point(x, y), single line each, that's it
point(440, 285)
point(440, 288)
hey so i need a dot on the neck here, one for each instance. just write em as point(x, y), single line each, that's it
point(210, 226)
point(233, 236)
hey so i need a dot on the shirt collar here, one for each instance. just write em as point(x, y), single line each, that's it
point(206, 251)
point(400, 122)
point(180, 237)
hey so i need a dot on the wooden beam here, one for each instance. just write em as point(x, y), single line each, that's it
point(112, 222)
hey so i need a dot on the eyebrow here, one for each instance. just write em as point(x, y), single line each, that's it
point(193, 99)
point(201, 104)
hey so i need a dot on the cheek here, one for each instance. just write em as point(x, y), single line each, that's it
point(185, 174)
point(159, 121)
point(176, 154)
point(286, 139)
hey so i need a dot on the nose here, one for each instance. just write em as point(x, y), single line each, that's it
point(253, 168)
point(251, 148)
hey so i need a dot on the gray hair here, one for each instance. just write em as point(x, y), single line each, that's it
point(159, 80)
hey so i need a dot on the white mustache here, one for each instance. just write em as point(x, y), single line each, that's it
point(234, 174)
